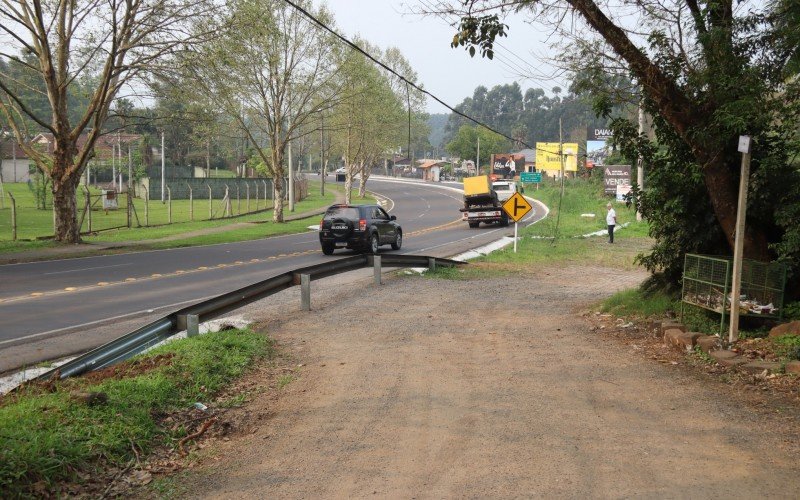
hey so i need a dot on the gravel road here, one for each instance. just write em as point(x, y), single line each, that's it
point(485, 388)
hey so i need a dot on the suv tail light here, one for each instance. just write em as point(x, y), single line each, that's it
point(362, 224)
point(320, 223)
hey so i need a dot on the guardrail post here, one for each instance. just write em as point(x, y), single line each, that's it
point(192, 325)
point(431, 263)
point(376, 267)
point(305, 292)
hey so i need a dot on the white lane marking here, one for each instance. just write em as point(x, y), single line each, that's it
point(87, 269)
point(104, 320)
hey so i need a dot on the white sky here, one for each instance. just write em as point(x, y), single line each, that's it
point(425, 41)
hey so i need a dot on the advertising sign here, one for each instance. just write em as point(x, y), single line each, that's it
point(548, 159)
point(504, 164)
point(616, 175)
point(597, 146)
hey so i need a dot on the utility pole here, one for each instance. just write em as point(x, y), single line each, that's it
point(322, 154)
point(738, 245)
point(640, 162)
point(478, 157)
point(163, 169)
point(561, 153)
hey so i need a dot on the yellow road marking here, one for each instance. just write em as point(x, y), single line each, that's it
point(70, 289)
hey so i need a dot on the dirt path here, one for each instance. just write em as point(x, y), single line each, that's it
point(437, 388)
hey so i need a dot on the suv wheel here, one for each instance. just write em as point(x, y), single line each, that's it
point(374, 243)
point(327, 248)
point(398, 241)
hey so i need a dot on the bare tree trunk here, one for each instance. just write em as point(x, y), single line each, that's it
point(277, 182)
point(362, 183)
point(65, 210)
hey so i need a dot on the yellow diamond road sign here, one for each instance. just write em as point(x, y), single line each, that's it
point(516, 207)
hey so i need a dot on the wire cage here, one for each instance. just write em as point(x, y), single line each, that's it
point(707, 282)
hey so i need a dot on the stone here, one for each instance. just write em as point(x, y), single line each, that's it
point(791, 328)
point(728, 358)
point(793, 367)
point(671, 336)
point(757, 367)
point(669, 325)
point(708, 343)
point(680, 339)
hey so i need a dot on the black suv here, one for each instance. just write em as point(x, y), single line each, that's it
point(363, 227)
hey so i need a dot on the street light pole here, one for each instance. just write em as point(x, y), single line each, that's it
point(163, 169)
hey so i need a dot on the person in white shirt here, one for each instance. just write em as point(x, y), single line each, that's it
point(611, 220)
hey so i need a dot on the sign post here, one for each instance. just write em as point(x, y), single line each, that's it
point(516, 207)
point(738, 245)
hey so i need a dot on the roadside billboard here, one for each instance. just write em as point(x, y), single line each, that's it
point(504, 164)
point(616, 175)
point(548, 158)
point(597, 145)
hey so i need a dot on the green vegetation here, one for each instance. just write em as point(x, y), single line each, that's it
point(62, 436)
point(638, 303)
point(284, 380)
point(788, 347)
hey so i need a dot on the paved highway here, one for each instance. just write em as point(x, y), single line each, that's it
point(67, 297)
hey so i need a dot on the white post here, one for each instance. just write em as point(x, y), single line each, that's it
point(291, 180)
point(515, 237)
point(163, 168)
point(113, 167)
point(738, 245)
point(478, 157)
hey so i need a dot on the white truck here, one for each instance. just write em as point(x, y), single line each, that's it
point(483, 200)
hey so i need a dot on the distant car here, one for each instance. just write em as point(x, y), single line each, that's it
point(359, 227)
point(341, 170)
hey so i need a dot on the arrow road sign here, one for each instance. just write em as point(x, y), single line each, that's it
point(516, 207)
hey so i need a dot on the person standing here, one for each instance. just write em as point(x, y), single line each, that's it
point(611, 220)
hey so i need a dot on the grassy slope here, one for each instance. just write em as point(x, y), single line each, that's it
point(61, 436)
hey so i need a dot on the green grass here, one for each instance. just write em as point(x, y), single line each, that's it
point(635, 302)
point(788, 347)
point(582, 197)
point(49, 437)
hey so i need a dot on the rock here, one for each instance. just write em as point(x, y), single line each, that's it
point(669, 325)
point(728, 358)
point(791, 328)
point(708, 343)
point(757, 367)
point(793, 367)
point(89, 398)
point(680, 339)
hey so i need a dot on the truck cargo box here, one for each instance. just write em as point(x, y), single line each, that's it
point(477, 186)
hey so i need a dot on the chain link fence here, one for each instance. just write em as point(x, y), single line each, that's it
point(27, 213)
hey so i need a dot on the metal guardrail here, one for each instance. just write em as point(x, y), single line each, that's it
point(147, 336)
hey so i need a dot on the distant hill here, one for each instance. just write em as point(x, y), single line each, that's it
point(437, 122)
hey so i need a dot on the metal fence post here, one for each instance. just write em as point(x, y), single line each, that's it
point(238, 200)
point(89, 210)
point(13, 217)
point(227, 201)
point(305, 292)
point(265, 193)
point(191, 202)
point(169, 205)
point(210, 203)
point(247, 191)
point(431, 263)
point(255, 183)
point(376, 266)
point(146, 209)
point(192, 325)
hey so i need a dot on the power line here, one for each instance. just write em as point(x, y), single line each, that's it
point(398, 75)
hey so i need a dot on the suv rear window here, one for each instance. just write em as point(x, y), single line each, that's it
point(349, 213)
point(501, 187)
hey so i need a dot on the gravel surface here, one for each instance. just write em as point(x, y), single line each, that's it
point(492, 387)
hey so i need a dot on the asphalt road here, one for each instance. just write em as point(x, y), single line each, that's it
point(66, 298)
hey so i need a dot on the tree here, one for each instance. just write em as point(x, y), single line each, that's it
point(465, 143)
point(272, 71)
point(707, 74)
point(99, 46)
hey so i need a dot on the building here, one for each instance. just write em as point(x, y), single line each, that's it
point(16, 166)
point(431, 169)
